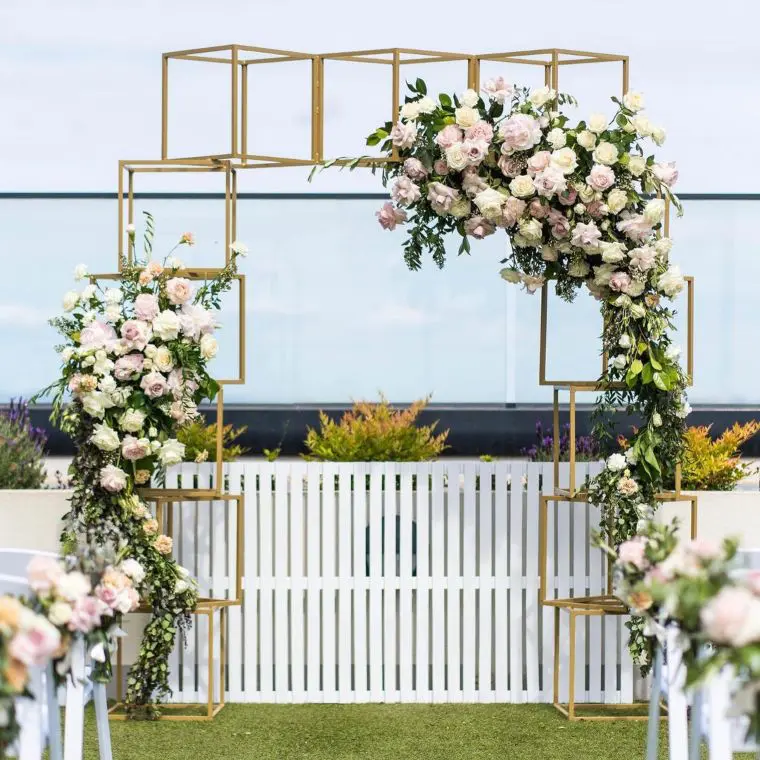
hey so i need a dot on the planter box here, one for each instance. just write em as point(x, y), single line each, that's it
point(721, 514)
point(32, 519)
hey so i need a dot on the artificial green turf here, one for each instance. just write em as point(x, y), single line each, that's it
point(378, 732)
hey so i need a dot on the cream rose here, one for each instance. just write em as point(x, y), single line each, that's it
point(557, 138)
point(490, 202)
point(654, 211)
point(586, 139)
point(166, 325)
point(658, 135)
point(172, 452)
point(456, 158)
point(113, 478)
point(521, 186)
point(671, 281)
point(466, 116)
point(162, 359)
point(460, 207)
point(70, 300)
point(105, 438)
point(565, 160)
point(617, 200)
point(410, 111)
point(179, 290)
point(642, 125)
point(606, 153)
point(633, 101)
point(208, 346)
point(597, 123)
point(469, 98)
point(427, 105)
point(541, 96)
point(132, 420)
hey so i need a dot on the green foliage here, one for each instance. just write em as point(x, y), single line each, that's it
point(375, 432)
point(272, 455)
point(22, 449)
point(715, 465)
point(200, 441)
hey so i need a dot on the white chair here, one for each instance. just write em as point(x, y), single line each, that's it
point(79, 687)
point(38, 715)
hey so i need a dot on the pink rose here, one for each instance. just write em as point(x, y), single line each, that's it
point(519, 132)
point(475, 150)
point(560, 224)
point(415, 169)
point(601, 177)
point(154, 385)
point(389, 217)
point(36, 645)
point(567, 197)
point(643, 258)
point(146, 307)
point(448, 136)
point(732, 617)
point(497, 89)
point(620, 282)
point(113, 478)
point(403, 134)
point(107, 595)
point(441, 197)
point(632, 552)
point(510, 166)
point(479, 227)
point(86, 614)
point(472, 184)
point(513, 209)
point(43, 574)
point(666, 173)
point(135, 333)
point(179, 290)
point(405, 192)
point(154, 268)
point(196, 321)
point(550, 182)
point(97, 335)
point(134, 448)
point(480, 131)
point(594, 209)
point(752, 580)
point(704, 548)
point(585, 235)
point(127, 601)
point(538, 162)
point(441, 168)
point(128, 367)
point(635, 227)
point(537, 209)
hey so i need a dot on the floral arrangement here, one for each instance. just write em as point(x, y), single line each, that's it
point(74, 597)
point(691, 584)
point(576, 203)
point(135, 361)
point(22, 448)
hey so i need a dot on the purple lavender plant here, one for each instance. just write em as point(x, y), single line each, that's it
point(586, 446)
point(22, 448)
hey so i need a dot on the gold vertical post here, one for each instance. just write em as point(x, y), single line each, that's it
point(233, 208)
point(571, 678)
point(244, 111)
point(542, 336)
point(542, 548)
point(547, 75)
point(130, 214)
point(210, 712)
point(556, 655)
point(690, 328)
point(555, 437)
point(219, 484)
point(222, 651)
point(316, 108)
point(165, 106)
point(227, 212)
point(234, 94)
point(395, 95)
point(572, 441)
point(555, 70)
point(625, 75)
point(120, 199)
point(694, 517)
point(241, 330)
point(473, 73)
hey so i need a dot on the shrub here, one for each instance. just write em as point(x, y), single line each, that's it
point(200, 441)
point(22, 449)
point(586, 446)
point(715, 465)
point(375, 432)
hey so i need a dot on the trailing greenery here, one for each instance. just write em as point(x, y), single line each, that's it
point(22, 448)
point(200, 441)
point(375, 432)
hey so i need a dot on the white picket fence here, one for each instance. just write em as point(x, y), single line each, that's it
point(386, 582)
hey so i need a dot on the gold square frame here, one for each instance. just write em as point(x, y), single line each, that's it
point(184, 711)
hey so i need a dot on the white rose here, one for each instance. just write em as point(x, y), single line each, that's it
point(70, 300)
point(241, 249)
point(565, 160)
point(95, 404)
point(59, 613)
point(489, 203)
point(642, 125)
point(510, 275)
point(172, 452)
point(579, 209)
point(616, 462)
point(469, 98)
point(625, 341)
point(132, 420)
point(586, 139)
point(113, 295)
point(105, 438)
point(183, 572)
point(541, 96)
point(630, 456)
point(150, 350)
point(427, 105)
point(605, 153)
point(654, 211)
point(663, 246)
point(208, 346)
point(89, 317)
point(671, 281)
point(637, 165)
point(88, 292)
point(531, 231)
point(672, 352)
point(557, 138)
point(617, 200)
point(166, 325)
point(460, 207)
point(456, 158)
point(657, 419)
point(162, 360)
point(73, 585)
point(113, 312)
point(107, 384)
point(181, 586)
point(155, 444)
point(638, 311)
point(134, 570)
point(586, 193)
point(152, 432)
point(410, 111)
point(80, 271)
point(67, 354)
point(597, 123)
point(466, 116)
point(619, 361)
point(684, 410)
point(633, 101)
point(658, 135)
point(521, 186)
